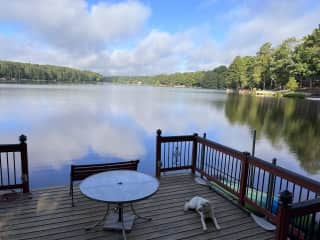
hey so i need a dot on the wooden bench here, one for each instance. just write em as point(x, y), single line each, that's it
point(80, 172)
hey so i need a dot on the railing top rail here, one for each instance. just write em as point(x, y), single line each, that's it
point(286, 174)
point(10, 147)
point(233, 152)
point(177, 138)
point(305, 207)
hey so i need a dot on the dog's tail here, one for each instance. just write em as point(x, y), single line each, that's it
point(215, 222)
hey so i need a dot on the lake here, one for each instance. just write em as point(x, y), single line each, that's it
point(80, 124)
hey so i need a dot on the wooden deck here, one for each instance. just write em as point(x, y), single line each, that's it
point(49, 215)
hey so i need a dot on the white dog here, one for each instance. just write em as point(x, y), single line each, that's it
point(204, 208)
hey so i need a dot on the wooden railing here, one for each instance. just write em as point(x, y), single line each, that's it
point(14, 166)
point(298, 220)
point(254, 182)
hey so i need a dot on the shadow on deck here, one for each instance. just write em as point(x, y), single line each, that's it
point(49, 215)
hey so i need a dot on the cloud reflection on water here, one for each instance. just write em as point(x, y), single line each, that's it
point(65, 123)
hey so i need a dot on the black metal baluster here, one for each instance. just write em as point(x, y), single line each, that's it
point(221, 168)
point(237, 173)
point(299, 225)
point(293, 190)
point(189, 153)
point(262, 190)
point(305, 225)
point(228, 172)
point(164, 154)
point(184, 153)
point(169, 155)
point(180, 154)
point(218, 164)
point(211, 160)
point(1, 177)
point(308, 192)
point(215, 163)
point(300, 193)
point(312, 225)
point(318, 216)
point(252, 186)
point(208, 160)
point(14, 168)
point(257, 189)
point(8, 169)
point(232, 175)
point(224, 169)
point(273, 192)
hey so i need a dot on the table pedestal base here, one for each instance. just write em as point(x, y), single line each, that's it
point(112, 222)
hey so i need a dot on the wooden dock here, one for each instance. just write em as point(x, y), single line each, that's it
point(48, 215)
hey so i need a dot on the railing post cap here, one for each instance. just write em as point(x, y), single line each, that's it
point(23, 138)
point(286, 197)
point(246, 153)
point(159, 132)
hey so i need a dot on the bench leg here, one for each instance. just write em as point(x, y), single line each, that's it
point(71, 193)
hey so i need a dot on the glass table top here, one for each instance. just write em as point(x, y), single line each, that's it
point(119, 186)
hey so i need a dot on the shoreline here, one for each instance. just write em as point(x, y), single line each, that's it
point(300, 93)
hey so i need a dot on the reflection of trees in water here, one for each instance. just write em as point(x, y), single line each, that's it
point(297, 122)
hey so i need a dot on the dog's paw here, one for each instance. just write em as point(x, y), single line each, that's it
point(205, 229)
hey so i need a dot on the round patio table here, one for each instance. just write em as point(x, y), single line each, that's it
point(119, 187)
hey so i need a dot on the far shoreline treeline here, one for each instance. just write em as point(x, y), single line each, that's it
point(292, 64)
point(17, 72)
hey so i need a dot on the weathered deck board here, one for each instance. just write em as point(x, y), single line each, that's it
point(49, 215)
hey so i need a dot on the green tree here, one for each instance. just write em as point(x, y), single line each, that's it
point(262, 67)
point(292, 84)
point(236, 74)
point(282, 64)
point(307, 56)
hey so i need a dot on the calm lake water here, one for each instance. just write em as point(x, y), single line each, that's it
point(99, 123)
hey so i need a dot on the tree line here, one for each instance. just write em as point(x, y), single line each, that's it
point(292, 64)
point(16, 72)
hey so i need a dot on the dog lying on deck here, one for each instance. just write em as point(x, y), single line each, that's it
point(204, 208)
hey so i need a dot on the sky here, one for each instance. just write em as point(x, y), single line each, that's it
point(147, 37)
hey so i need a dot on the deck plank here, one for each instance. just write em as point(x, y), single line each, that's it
point(49, 215)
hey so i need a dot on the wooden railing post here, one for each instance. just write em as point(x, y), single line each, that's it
point(244, 176)
point(194, 152)
point(284, 206)
point(202, 155)
point(158, 153)
point(24, 164)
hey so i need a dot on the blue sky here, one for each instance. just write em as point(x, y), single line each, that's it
point(150, 36)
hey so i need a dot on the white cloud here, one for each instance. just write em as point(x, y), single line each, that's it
point(71, 25)
point(97, 37)
point(274, 23)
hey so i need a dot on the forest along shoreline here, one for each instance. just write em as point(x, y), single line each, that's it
point(290, 69)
